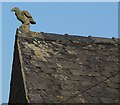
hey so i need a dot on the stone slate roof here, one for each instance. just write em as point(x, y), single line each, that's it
point(65, 69)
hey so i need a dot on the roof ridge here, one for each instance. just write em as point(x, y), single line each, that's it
point(67, 38)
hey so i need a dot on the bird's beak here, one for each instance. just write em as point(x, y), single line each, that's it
point(12, 10)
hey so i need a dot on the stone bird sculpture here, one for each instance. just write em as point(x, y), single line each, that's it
point(24, 17)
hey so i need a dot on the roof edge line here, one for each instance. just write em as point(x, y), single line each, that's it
point(23, 75)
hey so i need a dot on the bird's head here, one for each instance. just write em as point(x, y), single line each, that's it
point(14, 9)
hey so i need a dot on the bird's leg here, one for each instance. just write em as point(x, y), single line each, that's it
point(27, 26)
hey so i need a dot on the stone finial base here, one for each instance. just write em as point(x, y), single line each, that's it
point(25, 28)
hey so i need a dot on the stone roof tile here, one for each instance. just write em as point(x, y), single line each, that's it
point(69, 69)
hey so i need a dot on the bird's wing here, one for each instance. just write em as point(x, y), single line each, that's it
point(28, 15)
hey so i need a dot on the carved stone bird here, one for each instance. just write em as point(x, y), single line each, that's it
point(23, 16)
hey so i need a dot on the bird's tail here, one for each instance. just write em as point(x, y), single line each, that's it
point(32, 21)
